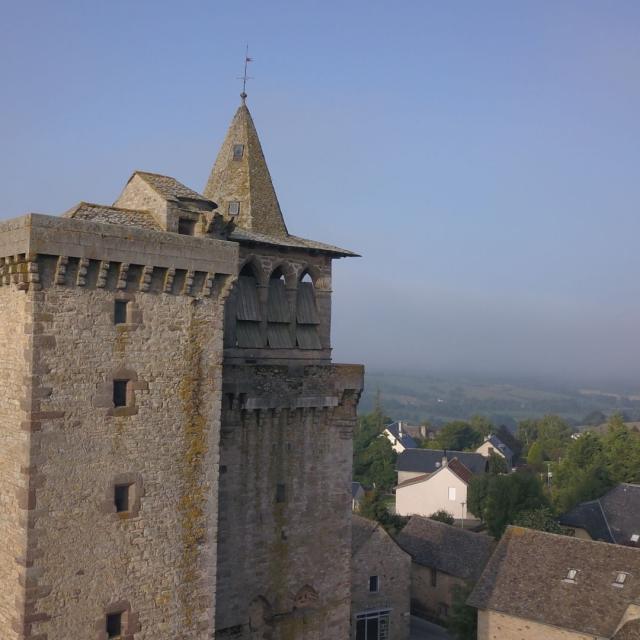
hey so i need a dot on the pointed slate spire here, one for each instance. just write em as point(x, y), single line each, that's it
point(240, 182)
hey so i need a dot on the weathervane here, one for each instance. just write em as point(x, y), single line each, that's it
point(245, 77)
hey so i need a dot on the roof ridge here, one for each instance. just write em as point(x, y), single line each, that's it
point(606, 521)
point(109, 206)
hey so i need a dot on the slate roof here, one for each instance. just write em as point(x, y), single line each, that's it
point(496, 443)
point(614, 517)
point(430, 460)
point(113, 215)
point(526, 578)
point(629, 631)
point(449, 549)
point(405, 439)
point(355, 488)
point(361, 530)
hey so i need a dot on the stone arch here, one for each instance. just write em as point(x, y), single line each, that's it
point(251, 262)
point(288, 272)
point(307, 597)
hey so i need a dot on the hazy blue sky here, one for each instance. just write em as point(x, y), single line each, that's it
point(484, 157)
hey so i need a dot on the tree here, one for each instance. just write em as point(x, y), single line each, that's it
point(594, 418)
point(541, 519)
point(482, 425)
point(496, 464)
point(505, 435)
point(535, 457)
point(527, 433)
point(622, 451)
point(554, 436)
point(463, 619)
point(375, 507)
point(499, 499)
point(442, 516)
point(375, 466)
point(458, 436)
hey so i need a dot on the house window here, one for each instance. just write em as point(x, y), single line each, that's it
point(114, 625)
point(186, 226)
point(452, 493)
point(635, 537)
point(120, 312)
point(234, 208)
point(281, 493)
point(373, 625)
point(571, 576)
point(122, 497)
point(238, 151)
point(373, 584)
point(120, 393)
point(621, 578)
point(434, 577)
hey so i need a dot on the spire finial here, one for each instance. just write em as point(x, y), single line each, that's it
point(245, 77)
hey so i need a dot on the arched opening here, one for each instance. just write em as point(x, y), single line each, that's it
point(307, 317)
point(248, 309)
point(278, 313)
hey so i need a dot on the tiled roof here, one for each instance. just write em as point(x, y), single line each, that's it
point(240, 234)
point(430, 460)
point(527, 577)
point(169, 187)
point(113, 215)
point(460, 470)
point(450, 549)
point(355, 488)
point(614, 517)
point(361, 530)
point(415, 480)
point(405, 439)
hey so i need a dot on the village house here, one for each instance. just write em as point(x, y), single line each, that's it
point(615, 517)
point(380, 577)
point(434, 480)
point(443, 558)
point(357, 495)
point(398, 437)
point(493, 445)
point(542, 585)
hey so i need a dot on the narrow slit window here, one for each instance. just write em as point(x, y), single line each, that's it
point(234, 208)
point(373, 584)
point(238, 151)
point(122, 497)
point(186, 226)
point(120, 393)
point(281, 493)
point(114, 625)
point(434, 577)
point(120, 312)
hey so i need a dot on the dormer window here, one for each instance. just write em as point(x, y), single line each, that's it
point(238, 151)
point(571, 576)
point(234, 208)
point(621, 578)
point(186, 226)
point(635, 537)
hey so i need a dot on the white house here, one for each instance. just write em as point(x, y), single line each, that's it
point(444, 489)
point(493, 445)
point(398, 437)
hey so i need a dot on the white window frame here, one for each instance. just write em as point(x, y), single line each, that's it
point(452, 492)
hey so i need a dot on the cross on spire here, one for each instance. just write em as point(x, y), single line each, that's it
point(245, 77)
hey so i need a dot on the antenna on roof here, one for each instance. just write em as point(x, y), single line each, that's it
point(245, 77)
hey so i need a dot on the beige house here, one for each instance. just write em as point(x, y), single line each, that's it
point(399, 438)
point(443, 557)
point(445, 489)
point(492, 445)
point(545, 586)
point(380, 578)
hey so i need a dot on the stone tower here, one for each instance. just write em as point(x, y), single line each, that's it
point(287, 419)
point(175, 444)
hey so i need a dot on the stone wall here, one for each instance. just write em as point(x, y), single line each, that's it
point(427, 600)
point(381, 556)
point(498, 626)
point(285, 501)
point(14, 456)
point(154, 562)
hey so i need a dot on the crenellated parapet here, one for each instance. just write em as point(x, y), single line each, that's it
point(42, 252)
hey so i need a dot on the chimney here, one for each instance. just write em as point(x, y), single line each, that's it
point(400, 428)
point(444, 458)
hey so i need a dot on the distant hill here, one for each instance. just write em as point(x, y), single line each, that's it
point(417, 397)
